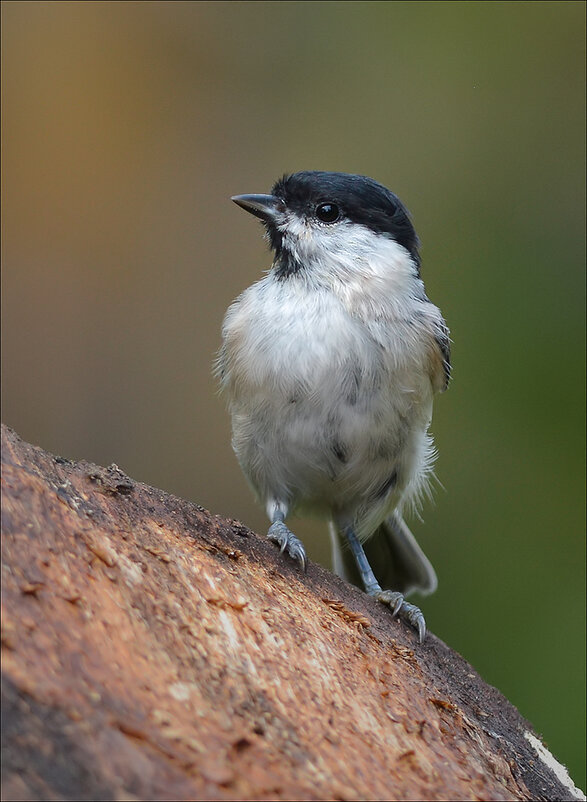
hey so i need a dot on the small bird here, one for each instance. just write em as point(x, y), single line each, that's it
point(329, 364)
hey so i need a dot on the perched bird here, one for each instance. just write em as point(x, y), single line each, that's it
point(329, 365)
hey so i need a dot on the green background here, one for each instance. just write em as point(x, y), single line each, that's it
point(126, 128)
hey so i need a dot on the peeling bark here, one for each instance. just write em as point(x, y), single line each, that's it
point(151, 650)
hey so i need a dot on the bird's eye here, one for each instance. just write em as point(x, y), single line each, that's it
point(327, 212)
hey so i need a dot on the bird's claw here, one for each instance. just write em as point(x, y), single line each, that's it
point(392, 599)
point(409, 613)
point(287, 541)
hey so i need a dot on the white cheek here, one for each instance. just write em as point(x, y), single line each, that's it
point(298, 238)
point(364, 270)
point(313, 243)
point(346, 247)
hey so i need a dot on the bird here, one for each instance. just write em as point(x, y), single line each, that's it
point(329, 364)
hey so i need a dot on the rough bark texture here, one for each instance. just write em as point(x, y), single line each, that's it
point(154, 651)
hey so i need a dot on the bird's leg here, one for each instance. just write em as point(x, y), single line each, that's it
point(399, 606)
point(286, 540)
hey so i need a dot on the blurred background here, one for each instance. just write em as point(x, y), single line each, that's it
point(126, 128)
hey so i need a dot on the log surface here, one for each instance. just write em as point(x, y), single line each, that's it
point(151, 650)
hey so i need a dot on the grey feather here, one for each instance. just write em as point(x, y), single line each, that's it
point(394, 555)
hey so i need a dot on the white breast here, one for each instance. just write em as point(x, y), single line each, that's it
point(329, 393)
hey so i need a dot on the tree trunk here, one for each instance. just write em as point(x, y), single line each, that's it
point(153, 651)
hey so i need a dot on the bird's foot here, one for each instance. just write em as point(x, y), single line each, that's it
point(287, 541)
point(409, 613)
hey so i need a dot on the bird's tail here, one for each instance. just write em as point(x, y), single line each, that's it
point(397, 560)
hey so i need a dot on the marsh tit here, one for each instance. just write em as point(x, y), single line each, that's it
point(329, 365)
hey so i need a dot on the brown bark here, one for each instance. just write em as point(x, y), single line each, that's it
point(153, 651)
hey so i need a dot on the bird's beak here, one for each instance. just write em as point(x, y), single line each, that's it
point(267, 207)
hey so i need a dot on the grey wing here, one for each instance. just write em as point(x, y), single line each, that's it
point(397, 560)
point(442, 338)
point(439, 366)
